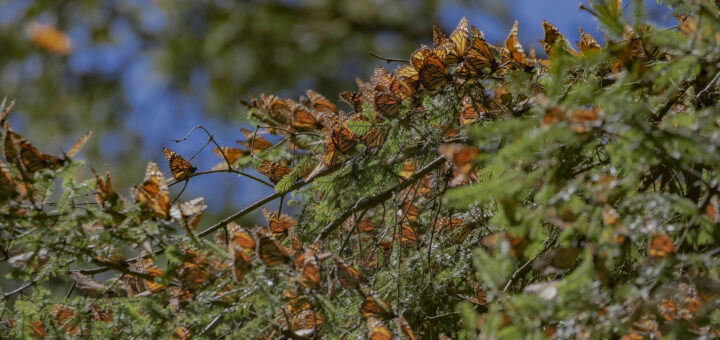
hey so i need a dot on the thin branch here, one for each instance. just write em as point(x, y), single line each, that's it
point(370, 201)
point(229, 170)
point(388, 60)
point(19, 289)
point(709, 85)
point(211, 138)
point(106, 266)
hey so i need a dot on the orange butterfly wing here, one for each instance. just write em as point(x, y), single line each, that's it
point(181, 169)
point(153, 192)
point(480, 57)
point(273, 171)
point(270, 251)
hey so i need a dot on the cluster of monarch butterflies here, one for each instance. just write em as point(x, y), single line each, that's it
point(26, 159)
point(461, 58)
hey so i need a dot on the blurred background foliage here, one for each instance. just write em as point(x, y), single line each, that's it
point(139, 72)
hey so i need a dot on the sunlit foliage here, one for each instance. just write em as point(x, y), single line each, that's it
point(476, 190)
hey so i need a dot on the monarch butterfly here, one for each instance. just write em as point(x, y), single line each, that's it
point(152, 194)
point(310, 277)
point(377, 330)
point(587, 42)
point(189, 212)
point(302, 119)
point(374, 137)
point(275, 107)
point(240, 264)
point(279, 225)
point(402, 88)
point(552, 37)
point(348, 277)
point(448, 224)
point(439, 36)
point(432, 70)
point(181, 169)
point(386, 103)
point(340, 141)
point(28, 157)
point(352, 98)
point(461, 155)
point(407, 236)
point(244, 240)
point(273, 171)
point(409, 74)
point(366, 226)
point(78, 145)
point(460, 42)
point(403, 325)
point(253, 141)
point(470, 111)
point(270, 251)
point(513, 51)
point(660, 246)
point(319, 103)
point(480, 56)
point(375, 307)
point(408, 212)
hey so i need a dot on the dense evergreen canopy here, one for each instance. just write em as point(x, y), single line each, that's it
point(475, 190)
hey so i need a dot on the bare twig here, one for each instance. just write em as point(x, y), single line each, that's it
point(709, 85)
point(388, 60)
point(370, 201)
point(107, 266)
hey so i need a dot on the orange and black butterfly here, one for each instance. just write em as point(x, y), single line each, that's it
point(349, 277)
point(373, 138)
point(244, 240)
point(310, 271)
point(409, 75)
point(77, 146)
point(103, 191)
point(352, 98)
point(302, 119)
point(514, 52)
point(461, 155)
point(552, 37)
point(275, 107)
point(377, 330)
point(319, 103)
point(387, 103)
point(479, 57)
point(181, 169)
point(340, 141)
point(460, 43)
point(152, 194)
point(270, 251)
point(404, 326)
point(273, 171)
point(240, 263)
point(279, 225)
point(376, 307)
point(407, 236)
point(431, 68)
point(587, 42)
point(24, 155)
point(660, 246)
